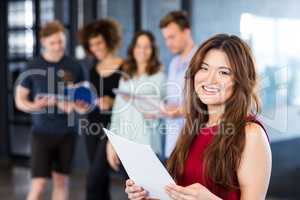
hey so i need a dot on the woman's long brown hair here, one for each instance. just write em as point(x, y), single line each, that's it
point(130, 65)
point(222, 157)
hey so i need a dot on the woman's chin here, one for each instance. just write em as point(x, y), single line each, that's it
point(210, 101)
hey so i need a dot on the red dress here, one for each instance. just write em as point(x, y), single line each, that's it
point(193, 170)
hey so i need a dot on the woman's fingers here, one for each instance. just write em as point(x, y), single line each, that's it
point(135, 192)
point(129, 182)
point(132, 189)
point(137, 195)
point(179, 189)
point(178, 196)
point(179, 193)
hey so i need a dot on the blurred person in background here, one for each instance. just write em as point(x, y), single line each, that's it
point(53, 139)
point(176, 30)
point(101, 39)
point(144, 77)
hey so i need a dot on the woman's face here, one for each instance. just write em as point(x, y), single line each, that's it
point(98, 47)
point(142, 51)
point(214, 80)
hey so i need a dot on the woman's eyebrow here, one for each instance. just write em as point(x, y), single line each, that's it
point(220, 67)
point(204, 63)
point(224, 67)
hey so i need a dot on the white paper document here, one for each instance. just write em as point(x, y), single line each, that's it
point(154, 102)
point(142, 165)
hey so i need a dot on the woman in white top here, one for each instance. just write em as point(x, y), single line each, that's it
point(143, 77)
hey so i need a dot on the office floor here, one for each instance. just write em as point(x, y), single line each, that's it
point(14, 185)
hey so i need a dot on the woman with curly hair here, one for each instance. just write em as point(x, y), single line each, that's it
point(101, 40)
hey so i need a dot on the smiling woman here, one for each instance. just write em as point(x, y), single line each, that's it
point(222, 73)
point(214, 80)
point(222, 144)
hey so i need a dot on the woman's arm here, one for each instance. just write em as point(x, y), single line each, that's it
point(105, 102)
point(255, 168)
point(112, 157)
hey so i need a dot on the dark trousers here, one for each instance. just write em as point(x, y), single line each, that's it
point(98, 179)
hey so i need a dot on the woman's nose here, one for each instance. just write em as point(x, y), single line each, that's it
point(211, 76)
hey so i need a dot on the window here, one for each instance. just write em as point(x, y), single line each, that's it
point(275, 44)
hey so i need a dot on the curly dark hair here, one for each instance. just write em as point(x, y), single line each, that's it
point(130, 66)
point(109, 29)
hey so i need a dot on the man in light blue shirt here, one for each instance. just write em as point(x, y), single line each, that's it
point(176, 31)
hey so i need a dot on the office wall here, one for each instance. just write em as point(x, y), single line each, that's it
point(213, 16)
point(152, 12)
point(122, 11)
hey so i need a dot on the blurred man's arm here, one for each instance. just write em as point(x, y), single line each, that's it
point(24, 104)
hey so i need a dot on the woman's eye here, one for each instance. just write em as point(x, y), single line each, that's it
point(225, 72)
point(204, 68)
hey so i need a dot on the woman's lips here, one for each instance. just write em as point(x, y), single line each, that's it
point(210, 90)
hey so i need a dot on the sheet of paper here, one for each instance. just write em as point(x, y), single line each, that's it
point(142, 165)
point(129, 94)
point(153, 102)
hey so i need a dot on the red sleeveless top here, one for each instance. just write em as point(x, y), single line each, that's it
point(193, 170)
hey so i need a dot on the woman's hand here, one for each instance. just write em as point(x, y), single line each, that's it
point(105, 103)
point(65, 106)
point(170, 110)
point(191, 192)
point(135, 192)
point(150, 116)
point(112, 157)
point(81, 107)
point(126, 98)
